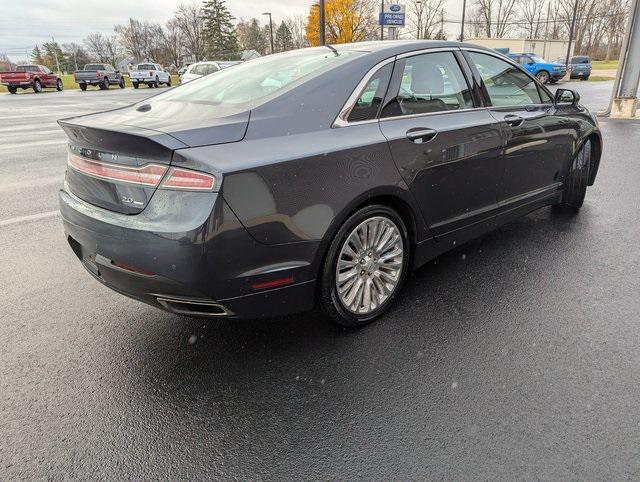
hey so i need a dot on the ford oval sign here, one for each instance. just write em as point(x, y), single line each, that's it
point(395, 8)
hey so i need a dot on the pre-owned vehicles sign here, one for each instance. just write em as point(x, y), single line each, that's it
point(392, 15)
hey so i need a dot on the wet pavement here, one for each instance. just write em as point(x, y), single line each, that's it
point(514, 356)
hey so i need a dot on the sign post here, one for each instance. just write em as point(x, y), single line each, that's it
point(392, 16)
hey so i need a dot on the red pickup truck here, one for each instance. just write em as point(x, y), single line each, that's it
point(34, 77)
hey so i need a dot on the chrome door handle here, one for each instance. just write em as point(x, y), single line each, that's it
point(420, 135)
point(513, 120)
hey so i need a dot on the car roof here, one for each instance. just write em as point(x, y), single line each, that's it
point(395, 47)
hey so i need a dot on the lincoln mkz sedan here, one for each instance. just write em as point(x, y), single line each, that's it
point(317, 177)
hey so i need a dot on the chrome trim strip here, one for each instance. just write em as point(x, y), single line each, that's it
point(341, 119)
point(426, 114)
point(426, 51)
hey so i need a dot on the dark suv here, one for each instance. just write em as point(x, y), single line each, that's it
point(579, 67)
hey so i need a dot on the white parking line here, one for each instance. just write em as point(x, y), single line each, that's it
point(24, 145)
point(30, 217)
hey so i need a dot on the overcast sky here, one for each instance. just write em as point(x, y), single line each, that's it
point(24, 23)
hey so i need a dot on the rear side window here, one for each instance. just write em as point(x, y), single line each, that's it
point(505, 84)
point(27, 68)
point(431, 82)
point(368, 103)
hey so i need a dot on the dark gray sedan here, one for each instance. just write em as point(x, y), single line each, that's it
point(319, 176)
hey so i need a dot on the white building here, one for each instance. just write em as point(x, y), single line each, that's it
point(547, 49)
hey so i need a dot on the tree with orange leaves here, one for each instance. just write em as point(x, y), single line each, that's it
point(345, 21)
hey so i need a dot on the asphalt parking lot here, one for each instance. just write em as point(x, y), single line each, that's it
point(514, 356)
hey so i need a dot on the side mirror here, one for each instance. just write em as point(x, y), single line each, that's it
point(566, 96)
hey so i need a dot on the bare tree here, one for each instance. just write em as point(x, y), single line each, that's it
point(190, 21)
point(531, 11)
point(496, 16)
point(95, 44)
point(172, 41)
point(425, 17)
point(296, 25)
point(132, 38)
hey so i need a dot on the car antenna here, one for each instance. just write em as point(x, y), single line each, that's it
point(333, 49)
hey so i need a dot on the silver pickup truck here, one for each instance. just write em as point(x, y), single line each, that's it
point(101, 75)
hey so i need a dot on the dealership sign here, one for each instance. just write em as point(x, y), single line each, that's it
point(392, 15)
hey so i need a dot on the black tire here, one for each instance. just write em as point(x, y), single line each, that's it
point(59, 85)
point(575, 185)
point(121, 83)
point(156, 83)
point(328, 293)
point(104, 85)
point(169, 82)
point(553, 81)
point(83, 87)
point(543, 76)
point(585, 78)
point(37, 87)
point(135, 85)
point(12, 90)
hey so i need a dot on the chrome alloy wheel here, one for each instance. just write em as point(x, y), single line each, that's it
point(369, 265)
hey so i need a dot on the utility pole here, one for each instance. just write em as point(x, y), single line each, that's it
point(419, 12)
point(55, 54)
point(624, 101)
point(323, 39)
point(464, 8)
point(381, 26)
point(573, 26)
point(270, 30)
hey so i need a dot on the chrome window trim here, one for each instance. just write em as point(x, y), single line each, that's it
point(428, 114)
point(341, 119)
point(427, 51)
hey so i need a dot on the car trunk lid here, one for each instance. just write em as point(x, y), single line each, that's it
point(117, 159)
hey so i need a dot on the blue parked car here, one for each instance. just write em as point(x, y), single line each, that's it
point(545, 72)
point(579, 67)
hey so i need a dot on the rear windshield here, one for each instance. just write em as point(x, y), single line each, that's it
point(248, 83)
point(580, 60)
point(146, 67)
point(27, 68)
point(94, 67)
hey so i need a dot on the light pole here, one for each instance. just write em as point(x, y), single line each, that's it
point(573, 25)
point(464, 8)
point(270, 29)
point(419, 11)
point(322, 34)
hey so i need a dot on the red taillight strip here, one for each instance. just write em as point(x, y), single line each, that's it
point(273, 283)
point(190, 180)
point(147, 175)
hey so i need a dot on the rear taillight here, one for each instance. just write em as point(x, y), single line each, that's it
point(98, 72)
point(148, 175)
point(150, 73)
point(179, 178)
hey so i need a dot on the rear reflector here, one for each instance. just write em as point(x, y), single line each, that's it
point(147, 175)
point(190, 180)
point(273, 283)
point(133, 269)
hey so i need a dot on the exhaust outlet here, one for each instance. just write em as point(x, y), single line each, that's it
point(188, 307)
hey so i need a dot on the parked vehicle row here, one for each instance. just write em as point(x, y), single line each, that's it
point(33, 76)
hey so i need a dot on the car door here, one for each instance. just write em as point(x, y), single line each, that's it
point(445, 145)
point(49, 79)
point(534, 137)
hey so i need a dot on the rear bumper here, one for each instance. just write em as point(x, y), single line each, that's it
point(196, 256)
point(143, 80)
point(557, 75)
point(23, 85)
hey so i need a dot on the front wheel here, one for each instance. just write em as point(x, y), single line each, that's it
point(83, 87)
point(543, 76)
point(59, 85)
point(575, 184)
point(12, 90)
point(37, 87)
point(169, 82)
point(365, 266)
point(156, 83)
point(121, 83)
point(135, 85)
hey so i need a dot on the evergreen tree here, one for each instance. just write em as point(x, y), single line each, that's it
point(221, 42)
point(284, 38)
point(36, 56)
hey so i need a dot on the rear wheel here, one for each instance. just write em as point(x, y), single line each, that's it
point(585, 78)
point(121, 83)
point(543, 76)
point(135, 85)
point(156, 83)
point(59, 85)
point(37, 87)
point(105, 84)
point(169, 82)
point(12, 90)
point(365, 266)
point(83, 87)
point(575, 185)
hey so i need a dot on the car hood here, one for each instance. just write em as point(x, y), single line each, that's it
point(193, 124)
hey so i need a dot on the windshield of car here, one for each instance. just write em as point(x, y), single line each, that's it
point(248, 83)
point(94, 67)
point(538, 60)
point(580, 60)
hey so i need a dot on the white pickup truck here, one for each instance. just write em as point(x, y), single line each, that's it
point(151, 74)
